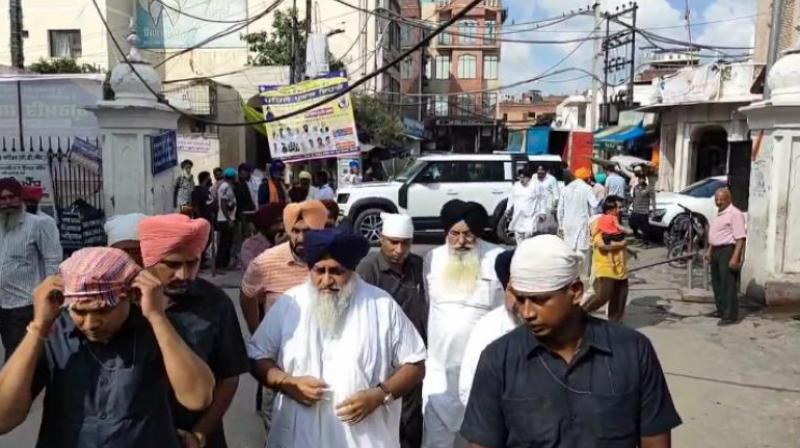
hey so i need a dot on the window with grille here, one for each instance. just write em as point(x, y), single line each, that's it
point(65, 43)
point(467, 66)
point(466, 32)
point(442, 67)
point(490, 64)
point(445, 36)
point(489, 32)
point(441, 106)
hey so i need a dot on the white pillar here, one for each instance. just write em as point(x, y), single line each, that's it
point(126, 124)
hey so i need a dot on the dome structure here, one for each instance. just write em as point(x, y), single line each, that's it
point(784, 78)
point(127, 86)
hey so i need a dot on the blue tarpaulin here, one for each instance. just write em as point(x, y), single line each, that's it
point(618, 137)
point(538, 140)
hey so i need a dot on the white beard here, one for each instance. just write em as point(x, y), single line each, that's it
point(329, 309)
point(459, 275)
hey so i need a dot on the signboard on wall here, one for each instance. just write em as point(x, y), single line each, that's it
point(168, 23)
point(323, 132)
point(164, 151)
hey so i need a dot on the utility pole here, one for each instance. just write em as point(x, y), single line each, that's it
point(774, 39)
point(293, 65)
point(595, 55)
point(15, 18)
point(614, 41)
point(308, 35)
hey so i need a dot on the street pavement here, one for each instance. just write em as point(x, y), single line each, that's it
point(734, 387)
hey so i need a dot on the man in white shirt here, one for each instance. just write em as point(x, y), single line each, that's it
point(462, 287)
point(545, 191)
point(324, 191)
point(338, 351)
point(491, 327)
point(577, 204)
point(615, 184)
point(521, 203)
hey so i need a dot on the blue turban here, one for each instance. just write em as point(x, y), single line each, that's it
point(600, 178)
point(276, 166)
point(354, 164)
point(345, 247)
point(229, 173)
point(502, 267)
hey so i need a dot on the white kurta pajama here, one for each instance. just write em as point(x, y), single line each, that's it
point(376, 339)
point(545, 194)
point(450, 321)
point(576, 205)
point(523, 202)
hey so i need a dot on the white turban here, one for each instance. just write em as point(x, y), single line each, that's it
point(544, 263)
point(397, 226)
point(123, 228)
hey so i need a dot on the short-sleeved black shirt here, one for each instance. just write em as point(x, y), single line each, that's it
point(612, 394)
point(206, 319)
point(113, 394)
point(407, 289)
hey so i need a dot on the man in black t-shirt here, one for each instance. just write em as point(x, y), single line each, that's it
point(202, 314)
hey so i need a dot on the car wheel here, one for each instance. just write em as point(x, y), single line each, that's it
point(369, 224)
point(503, 233)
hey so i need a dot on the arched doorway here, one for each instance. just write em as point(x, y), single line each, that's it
point(709, 152)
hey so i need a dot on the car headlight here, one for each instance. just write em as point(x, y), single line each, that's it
point(343, 198)
point(658, 215)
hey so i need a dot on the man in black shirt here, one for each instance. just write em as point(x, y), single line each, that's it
point(565, 379)
point(399, 272)
point(202, 314)
point(107, 365)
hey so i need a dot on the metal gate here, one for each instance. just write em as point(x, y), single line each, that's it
point(72, 180)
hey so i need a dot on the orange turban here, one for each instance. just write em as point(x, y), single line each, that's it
point(312, 213)
point(161, 235)
point(583, 173)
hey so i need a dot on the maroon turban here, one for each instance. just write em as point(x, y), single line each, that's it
point(12, 185)
point(268, 215)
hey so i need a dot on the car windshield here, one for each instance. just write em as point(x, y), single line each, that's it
point(409, 171)
point(703, 189)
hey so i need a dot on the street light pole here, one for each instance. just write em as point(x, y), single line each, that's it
point(596, 54)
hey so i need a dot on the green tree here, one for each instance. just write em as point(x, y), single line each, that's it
point(380, 123)
point(275, 47)
point(61, 65)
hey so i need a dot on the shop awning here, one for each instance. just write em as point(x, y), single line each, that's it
point(617, 137)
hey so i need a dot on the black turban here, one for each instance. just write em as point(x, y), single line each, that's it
point(502, 267)
point(12, 185)
point(471, 213)
point(345, 247)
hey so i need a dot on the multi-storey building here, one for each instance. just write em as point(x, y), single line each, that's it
point(787, 36)
point(462, 63)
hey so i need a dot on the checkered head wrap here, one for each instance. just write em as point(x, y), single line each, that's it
point(97, 274)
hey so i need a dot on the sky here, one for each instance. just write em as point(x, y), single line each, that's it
point(519, 61)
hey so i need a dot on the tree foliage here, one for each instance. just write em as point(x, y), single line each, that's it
point(381, 124)
point(275, 47)
point(61, 65)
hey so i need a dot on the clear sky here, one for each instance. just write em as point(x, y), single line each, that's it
point(734, 24)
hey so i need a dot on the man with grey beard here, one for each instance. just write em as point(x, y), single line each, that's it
point(338, 352)
point(29, 252)
point(462, 287)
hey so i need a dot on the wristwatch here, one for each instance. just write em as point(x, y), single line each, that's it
point(388, 395)
point(201, 439)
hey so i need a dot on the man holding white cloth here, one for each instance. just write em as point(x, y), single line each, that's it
point(338, 351)
point(462, 287)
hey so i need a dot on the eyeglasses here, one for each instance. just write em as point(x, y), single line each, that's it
point(467, 235)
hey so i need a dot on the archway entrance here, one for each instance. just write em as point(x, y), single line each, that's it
point(710, 151)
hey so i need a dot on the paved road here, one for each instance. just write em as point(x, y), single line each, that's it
point(735, 387)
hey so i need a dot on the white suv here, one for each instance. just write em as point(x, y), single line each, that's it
point(430, 181)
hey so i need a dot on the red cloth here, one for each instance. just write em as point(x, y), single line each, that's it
point(162, 235)
point(32, 193)
point(608, 225)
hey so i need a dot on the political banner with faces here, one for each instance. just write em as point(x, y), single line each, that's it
point(325, 131)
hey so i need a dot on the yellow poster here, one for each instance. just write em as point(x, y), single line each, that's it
point(326, 131)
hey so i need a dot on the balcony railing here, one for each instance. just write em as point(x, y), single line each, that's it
point(486, 3)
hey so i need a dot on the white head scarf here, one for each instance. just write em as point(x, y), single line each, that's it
point(123, 228)
point(543, 263)
point(397, 226)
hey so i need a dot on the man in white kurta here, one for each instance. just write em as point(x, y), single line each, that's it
point(545, 191)
point(522, 201)
point(489, 328)
point(462, 287)
point(576, 206)
point(373, 343)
